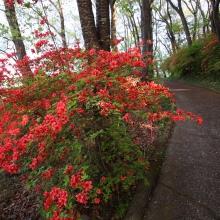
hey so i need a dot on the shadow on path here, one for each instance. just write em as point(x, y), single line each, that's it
point(189, 184)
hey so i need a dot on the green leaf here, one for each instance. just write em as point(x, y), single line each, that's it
point(155, 8)
point(66, 180)
point(27, 5)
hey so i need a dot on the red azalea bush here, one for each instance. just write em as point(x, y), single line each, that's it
point(64, 118)
point(210, 64)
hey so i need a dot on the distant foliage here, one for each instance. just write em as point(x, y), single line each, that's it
point(201, 59)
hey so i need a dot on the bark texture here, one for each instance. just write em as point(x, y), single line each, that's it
point(95, 35)
point(15, 31)
point(87, 21)
point(179, 10)
point(146, 32)
point(103, 23)
point(113, 19)
point(146, 24)
point(215, 18)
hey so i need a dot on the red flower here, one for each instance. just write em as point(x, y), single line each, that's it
point(103, 178)
point(75, 180)
point(38, 188)
point(147, 165)
point(63, 195)
point(99, 191)
point(116, 41)
point(199, 120)
point(97, 200)
point(87, 185)
point(140, 160)
point(42, 21)
point(123, 178)
point(24, 177)
point(80, 111)
point(129, 172)
point(33, 164)
point(140, 43)
point(172, 100)
point(82, 197)
point(40, 43)
point(149, 41)
point(46, 175)
point(149, 60)
point(69, 169)
point(127, 117)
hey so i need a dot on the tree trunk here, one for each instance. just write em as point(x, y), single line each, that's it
point(205, 27)
point(194, 11)
point(113, 21)
point(62, 31)
point(146, 25)
point(146, 33)
point(134, 27)
point(15, 31)
point(167, 19)
point(215, 18)
point(179, 10)
point(87, 21)
point(62, 24)
point(95, 36)
point(170, 32)
point(103, 23)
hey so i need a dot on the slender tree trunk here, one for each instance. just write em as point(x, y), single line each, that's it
point(113, 21)
point(205, 28)
point(170, 31)
point(167, 19)
point(62, 31)
point(215, 18)
point(134, 27)
point(62, 24)
point(146, 25)
point(15, 31)
point(146, 33)
point(179, 10)
point(125, 34)
point(103, 23)
point(132, 30)
point(194, 11)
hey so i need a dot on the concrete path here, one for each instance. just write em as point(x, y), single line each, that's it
point(189, 184)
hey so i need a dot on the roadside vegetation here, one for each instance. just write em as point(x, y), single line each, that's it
point(197, 64)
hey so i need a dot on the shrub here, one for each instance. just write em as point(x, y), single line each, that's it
point(201, 59)
point(210, 63)
point(65, 126)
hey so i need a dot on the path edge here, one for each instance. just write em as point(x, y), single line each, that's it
point(139, 202)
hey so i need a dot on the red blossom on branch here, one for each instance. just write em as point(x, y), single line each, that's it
point(54, 119)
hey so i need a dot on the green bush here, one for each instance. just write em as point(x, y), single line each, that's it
point(201, 59)
point(211, 64)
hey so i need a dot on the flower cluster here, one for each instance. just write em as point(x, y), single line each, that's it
point(55, 195)
point(68, 123)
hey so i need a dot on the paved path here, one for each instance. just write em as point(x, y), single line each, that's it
point(189, 185)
